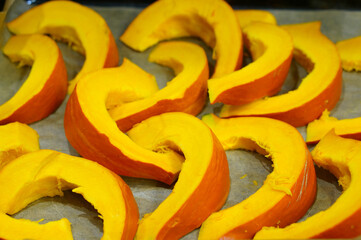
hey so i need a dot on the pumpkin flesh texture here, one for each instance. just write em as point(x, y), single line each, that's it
point(350, 51)
point(271, 49)
point(95, 135)
point(203, 182)
point(342, 157)
point(247, 16)
point(42, 173)
point(186, 92)
point(348, 128)
point(286, 194)
point(81, 26)
point(319, 90)
point(16, 139)
point(45, 87)
point(212, 21)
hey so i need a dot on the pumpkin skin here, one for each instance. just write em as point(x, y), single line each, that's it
point(45, 88)
point(247, 16)
point(342, 157)
point(212, 21)
point(348, 128)
point(81, 26)
point(350, 53)
point(95, 135)
point(16, 139)
point(319, 90)
point(286, 194)
point(203, 182)
point(41, 173)
point(271, 49)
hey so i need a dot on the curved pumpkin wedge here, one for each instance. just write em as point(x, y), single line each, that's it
point(317, 129)
point(81, 26)
point(319, 90)
point(271, 49)
point(350, 51)
point(287, 192)
point(187, 92)
point(247, 16)
point(212, 21)
point(203, 183)
point(16, 139)
point(95, 135)
point(42, 173)
point(45, 88)
point(342, 157)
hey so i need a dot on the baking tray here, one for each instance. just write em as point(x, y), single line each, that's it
point(336, 24)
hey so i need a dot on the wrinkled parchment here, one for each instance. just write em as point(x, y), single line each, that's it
point(248, 170)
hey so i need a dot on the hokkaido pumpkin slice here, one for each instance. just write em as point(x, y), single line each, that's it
point(342, 157)
point(319, 90)
point(349, 128)
point(212, 21)
point(287, 192)
point(350, 51)
point(203, 183)
point(16, 139)
point(187, 92)
point(42, 173)
point(45, 87)
point(81, 26)
point(271, 49)
point(95, 135)
point(247, 16)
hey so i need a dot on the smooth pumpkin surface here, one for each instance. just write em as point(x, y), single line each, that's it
point(82, 27)
point(247, 16)
point(42, 173)
point(350, 52)
point(203, 182)
point(342, 157)
point(95, 135)
point(212, 21)
point(45, 87)
point(271, 49)
point(186, 92)
point(349, 128)
point(319, 90)
point(287, 192)
point(16, 139)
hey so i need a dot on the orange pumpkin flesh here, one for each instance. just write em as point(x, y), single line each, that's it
point(286, 194)
point(247, 16)
point(42, 173)
point(45, 88)
point(320, 90)
point(76, 24)
point(350, 52)
point(342, 157)
point(203, 182)
point(95, 135)
point(187, 92)
point(213, 21)
point(271, 48)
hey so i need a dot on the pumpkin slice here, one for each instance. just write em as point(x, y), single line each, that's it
point(342, 157)
point(350, 52)
point(45, 88)
point(95, 135)
point(317, 129)
point(187, 92)
point(271, 49)
point(203, 183)
point(247, 16)
point(81, 26)
point(287, 192)
point(319, 90)
point(212, 21)
point(16, 139)
point(42, 173)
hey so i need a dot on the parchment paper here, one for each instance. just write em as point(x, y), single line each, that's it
point(336, 24)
